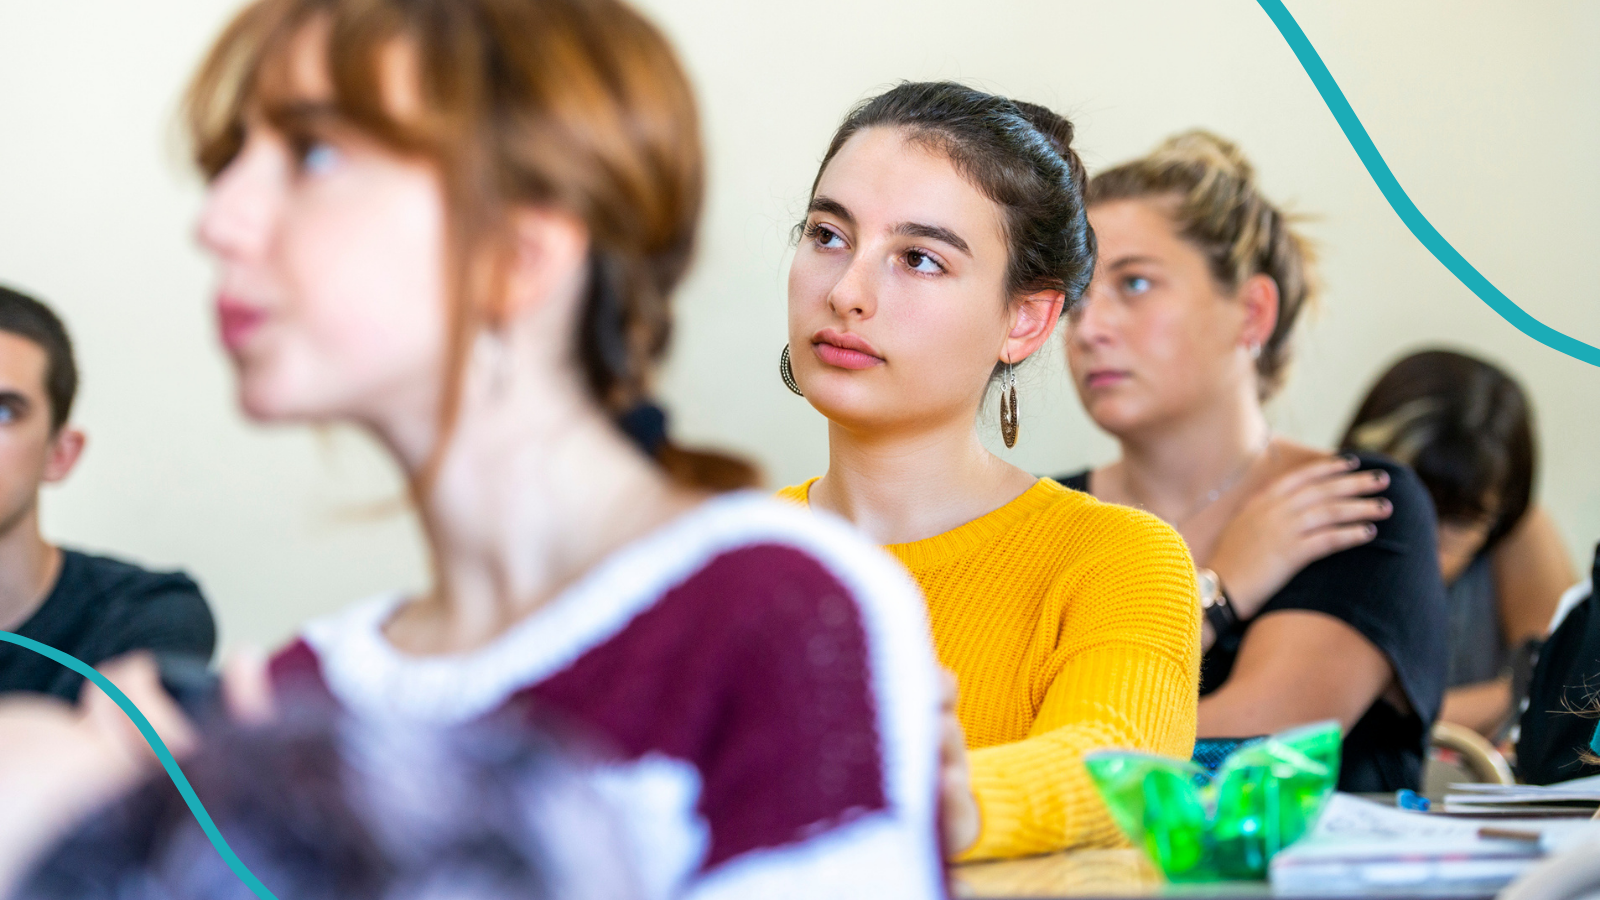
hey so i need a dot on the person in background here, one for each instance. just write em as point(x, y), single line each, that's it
point(459, 225)
point(945, 233)
point(1465, 427)
point(1320, 579)
point(92, 607)
point(1557, 738)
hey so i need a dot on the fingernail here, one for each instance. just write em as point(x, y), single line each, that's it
point(1386, 506)
point(1351, 461)
point(1372, 530)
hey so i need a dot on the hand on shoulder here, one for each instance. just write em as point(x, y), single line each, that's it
point(1314, 508)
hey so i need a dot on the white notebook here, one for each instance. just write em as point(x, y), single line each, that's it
point(1362, 847)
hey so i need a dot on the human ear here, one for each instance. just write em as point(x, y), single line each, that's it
point(65, 448)
point(1033, 319)
point(548, 258)
point(1259, 297)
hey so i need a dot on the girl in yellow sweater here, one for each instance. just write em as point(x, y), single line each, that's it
point(945, 234)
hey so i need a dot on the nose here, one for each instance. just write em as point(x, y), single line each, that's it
point(854, 294)
point(1090, 324)
point(241, 206)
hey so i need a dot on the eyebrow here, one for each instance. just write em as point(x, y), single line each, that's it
point(1130, 260)
point(832, 207)
point(933, 233)
point(16, 399)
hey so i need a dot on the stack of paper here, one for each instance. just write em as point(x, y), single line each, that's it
point(1581, 796)
point(1361, 847)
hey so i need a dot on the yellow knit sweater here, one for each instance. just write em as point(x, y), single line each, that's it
point(1072, 625)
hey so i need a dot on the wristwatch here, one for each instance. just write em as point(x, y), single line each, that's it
point(1215, 604)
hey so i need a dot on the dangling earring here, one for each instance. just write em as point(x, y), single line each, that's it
point(1008, 406)
point(787, 371)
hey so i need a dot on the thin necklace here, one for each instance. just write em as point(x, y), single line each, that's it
point(1226, 485)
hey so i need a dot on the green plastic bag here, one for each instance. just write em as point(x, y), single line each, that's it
point(1195, 827)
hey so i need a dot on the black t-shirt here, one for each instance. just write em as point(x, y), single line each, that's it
point(99, 609)
point(1390, 591)
point(1563, 697)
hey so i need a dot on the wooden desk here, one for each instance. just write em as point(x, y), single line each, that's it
point(1073, 873)
point(1079, 874)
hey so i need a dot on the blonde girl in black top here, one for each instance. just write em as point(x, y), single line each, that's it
point(1323, 592)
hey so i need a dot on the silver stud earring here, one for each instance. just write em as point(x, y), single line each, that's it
point(1008, 406)
point(1255, 350)
point(787, 371)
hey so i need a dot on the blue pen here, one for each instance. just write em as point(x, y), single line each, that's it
point(1409, 799)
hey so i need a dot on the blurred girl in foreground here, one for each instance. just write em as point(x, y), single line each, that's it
point(1465, 427)
point(945, 234)
point(458, 224)
point(1320, 581)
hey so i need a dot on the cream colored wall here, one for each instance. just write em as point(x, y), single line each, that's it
point(1484, 110)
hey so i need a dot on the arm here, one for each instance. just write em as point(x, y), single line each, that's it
point(1310, 512)
point(1483, 706)
point(1295, 667)
point(58, 763)
point(1349, 629)
point(163, 613)
point(1034, 795)
point(168, 616)
point(1125, 676)
point(1531, 571)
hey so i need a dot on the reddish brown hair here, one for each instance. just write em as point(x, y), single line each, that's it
point(578, 105)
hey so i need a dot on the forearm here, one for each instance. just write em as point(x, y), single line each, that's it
point(1296, 667)
point(1035, 796)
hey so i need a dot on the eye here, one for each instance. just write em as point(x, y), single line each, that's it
point(8, 413)
point(314, 156)
point(1135, 284)
point(824, 237)
point(920, 261)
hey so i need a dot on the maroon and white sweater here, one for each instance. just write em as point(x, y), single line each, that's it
point(763, 675)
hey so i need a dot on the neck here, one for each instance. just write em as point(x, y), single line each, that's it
point(1170, 469)
point(908, 486)
point(537, 487)
point(28, 569)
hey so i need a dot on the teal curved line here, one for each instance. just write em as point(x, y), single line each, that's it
point(1401, 203)
point(161, 751)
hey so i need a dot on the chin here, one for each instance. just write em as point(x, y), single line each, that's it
point(852, 409)
point(268, 400)
point(1115, 415)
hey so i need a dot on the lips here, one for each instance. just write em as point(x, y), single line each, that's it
point(1099, 378)
point(844, 351)
point(237, 321)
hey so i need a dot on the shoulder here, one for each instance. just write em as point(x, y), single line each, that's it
point(1111, 533)
point(1412, 524)
point(745, 545)
point(1114, 562)
point(798, 493)
point(109, 578)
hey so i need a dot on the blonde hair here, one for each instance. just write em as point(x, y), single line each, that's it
point(1223, 214)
